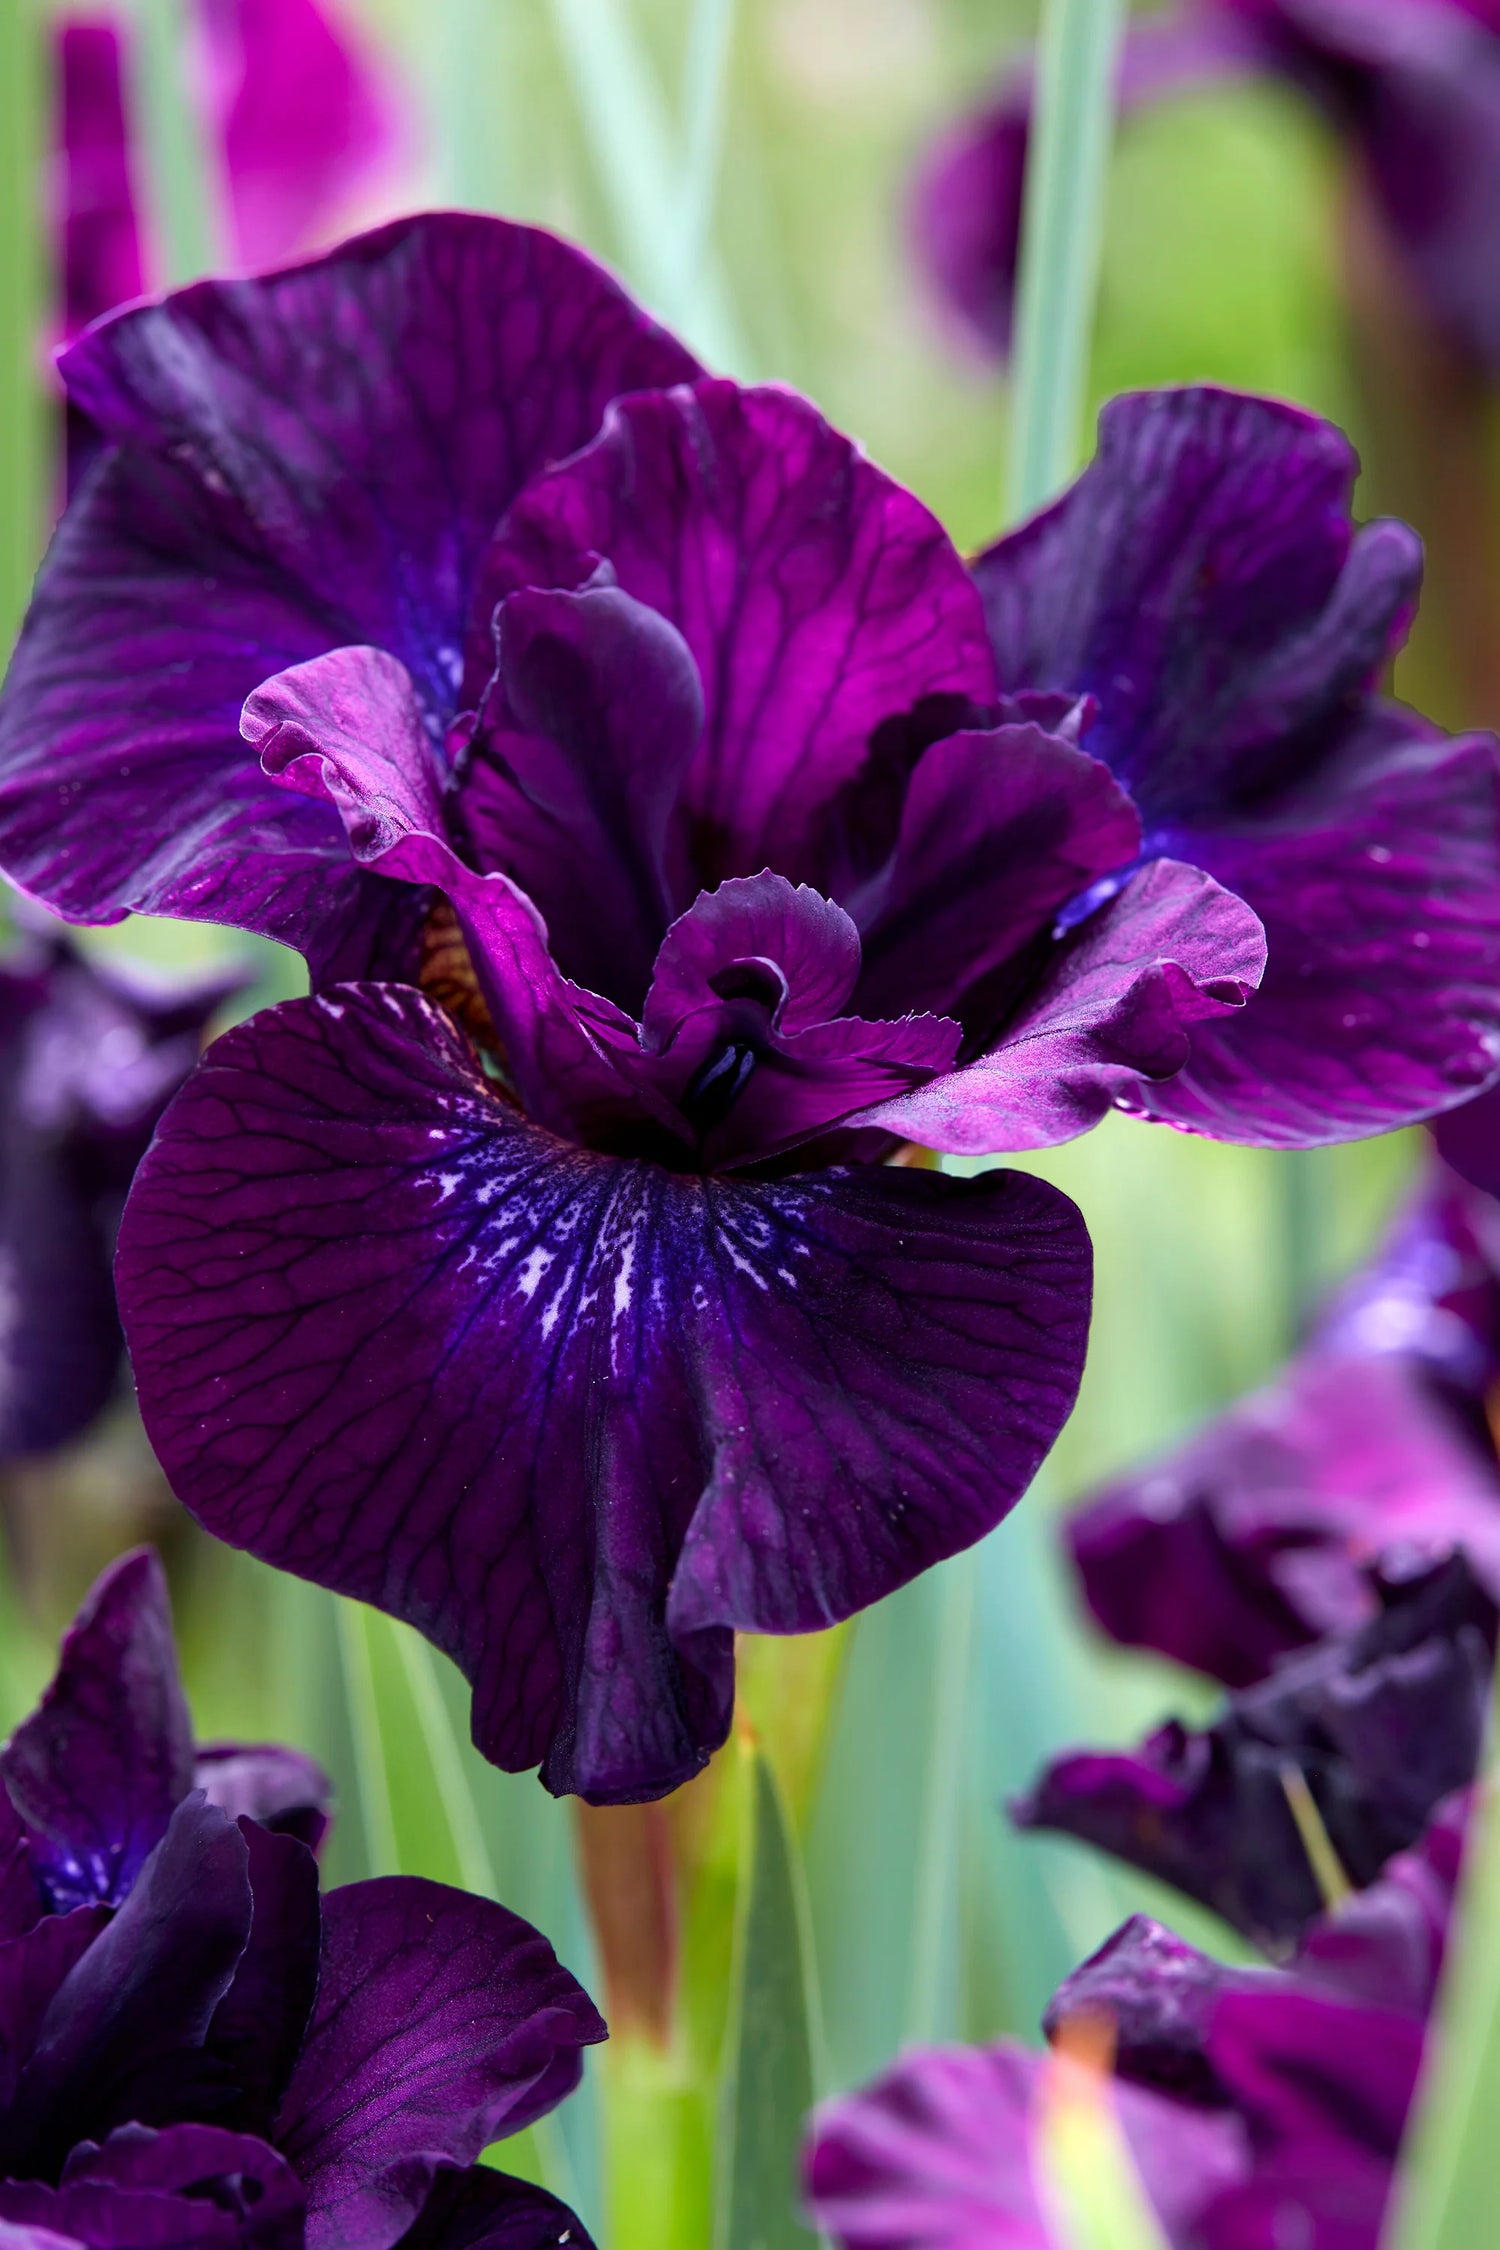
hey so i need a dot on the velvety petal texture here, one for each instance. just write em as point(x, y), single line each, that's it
point(351, 510)
point(1204, 583)
point(208, 2051)
point(795, 1394)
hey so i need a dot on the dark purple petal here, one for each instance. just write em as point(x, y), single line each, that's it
point(257, 2028)
point(302, 119)
point(442, 2022)
point(98, 1768)
point(99, 2216)
point(1110, 1016)
point(571, 779)
point(122, 2039)
point(1380, 1726)
point(483, 2210)
point(101, 245)
point(1381, 998)
point(736, 1023)
point(817, 597)
point(20, 1900)
point(1255, 1537)
point(1313, 2074)
point(31, 1969)
point(577, 1418)
point(308, 461)
point(346, 728)
point(233, 2174)
point(1468, 1140)
point(1203, 579)
point(1156, 1993)
point(999, 832)
point(936, 2155)
point(284, 1790)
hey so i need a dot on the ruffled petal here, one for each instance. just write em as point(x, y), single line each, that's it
point(226, 2175)
point(1157, 1994)
point(97, 1770)
point(818, 598)
point(346, 729)
point(1378, 889)
point(571, 779)
point(393, 1337)
point(1204, 580)
point(1116, 1010)
point(999, 832)
point(483, 2210)
point(307, 461)
point(442, 2023)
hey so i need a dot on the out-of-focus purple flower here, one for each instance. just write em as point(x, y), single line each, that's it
point(1379, 1726)
point(1411, 86)
point(89, 1057)
point(1262, 2106)
point(1257, 1536)
point(636, 720)
point(293, 110)
point(196, 2049)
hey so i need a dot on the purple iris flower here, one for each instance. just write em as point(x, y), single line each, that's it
point(198, 2048)
point(89, 1056)
point(1256, 1537)
point(1379, 1726)
point(673, 826)
point(298, 119)
point(1411, 86)
point(1262, 2107)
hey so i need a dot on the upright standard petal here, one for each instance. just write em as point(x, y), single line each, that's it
point(819, 599)
point(442, 2023)
point(578, 1418)
point(314, 459)
point(99, 1768)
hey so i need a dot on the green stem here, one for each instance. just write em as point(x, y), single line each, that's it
point(1062, 235)
point(377, 1817)
point(934, 1918)
point(24, 446)
point(185, 190)
point(475, 1867)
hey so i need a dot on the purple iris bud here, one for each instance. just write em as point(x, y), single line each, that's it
point(89, 1057)
point(1261, 2106)
point(1377, 1726)
point(1256, 1537)
point(1412, 87)
point(195, 2046)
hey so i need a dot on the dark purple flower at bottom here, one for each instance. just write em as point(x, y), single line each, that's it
point(89, 1057)
point(196, 2048)
point(1378, 1726)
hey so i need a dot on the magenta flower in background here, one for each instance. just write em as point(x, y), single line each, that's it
point(198, 2049)
point(430, 613)
point(1412, 87)
point(89, 1056)
point(1257, 1535)
point(1379, 1725)
point(295, 111)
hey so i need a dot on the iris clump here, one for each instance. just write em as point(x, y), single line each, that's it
point(199, 2048)
point(674, 829)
